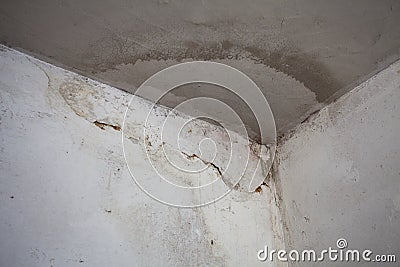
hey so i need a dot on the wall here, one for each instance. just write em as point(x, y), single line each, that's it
point(66, 194)
point(339, 172)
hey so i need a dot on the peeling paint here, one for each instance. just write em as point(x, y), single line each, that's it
point(103, 125)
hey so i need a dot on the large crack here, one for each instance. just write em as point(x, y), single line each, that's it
point(213, 166)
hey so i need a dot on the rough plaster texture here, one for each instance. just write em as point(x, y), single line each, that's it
point(339, 172)
point(67, 198)
point(301, 53)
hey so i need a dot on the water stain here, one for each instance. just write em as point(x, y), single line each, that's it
point(290, 60)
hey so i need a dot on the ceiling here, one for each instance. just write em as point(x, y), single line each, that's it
point(302, 54)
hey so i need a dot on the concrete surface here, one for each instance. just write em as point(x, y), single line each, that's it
point(301, 53)
point(339, 172)
point(66, 195)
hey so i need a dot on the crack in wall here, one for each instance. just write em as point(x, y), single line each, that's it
point(211, 164)
point(103, 125)
point(216, 168)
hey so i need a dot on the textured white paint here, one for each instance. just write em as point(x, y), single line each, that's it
point(340, 172)
point(66, 195)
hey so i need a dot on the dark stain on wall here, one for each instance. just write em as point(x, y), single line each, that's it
point(304, 68)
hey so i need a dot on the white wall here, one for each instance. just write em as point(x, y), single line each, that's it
point(339, 172)
point(66, 194)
